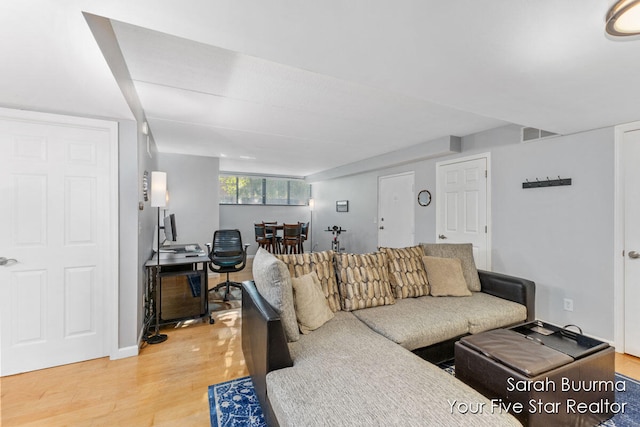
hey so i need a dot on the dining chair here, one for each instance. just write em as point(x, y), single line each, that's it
point(304, 234)
point(291, 238)
point(271, 229)
point(264, 240)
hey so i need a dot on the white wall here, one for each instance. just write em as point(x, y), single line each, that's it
point(561, 238)
point(192, 183)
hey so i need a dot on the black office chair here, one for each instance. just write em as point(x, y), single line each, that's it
point(227, 255)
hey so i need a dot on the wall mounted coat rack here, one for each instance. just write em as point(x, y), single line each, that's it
point(546, 183)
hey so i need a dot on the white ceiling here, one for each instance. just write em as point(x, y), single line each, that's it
point(295, 88)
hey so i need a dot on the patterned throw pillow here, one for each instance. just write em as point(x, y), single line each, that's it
point(406, 271)
point(312, 307)
point(363, 281)
point(322, 264)
point(273, 281)
point(445, 277)
point(462, 251)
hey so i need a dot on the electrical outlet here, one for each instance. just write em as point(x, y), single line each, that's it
point(568, 304)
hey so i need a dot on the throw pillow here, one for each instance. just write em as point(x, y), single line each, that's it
point(273, 281)
point(322, 264)
point(363, 281)
point(445, 277)
point(406, 271)
point(462, 251)
point(312, 308)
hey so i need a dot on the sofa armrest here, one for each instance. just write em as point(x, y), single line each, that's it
point(264, 343)
point(263, 338)
point(511, 288)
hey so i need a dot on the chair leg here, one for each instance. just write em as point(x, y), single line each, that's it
point(228, 284)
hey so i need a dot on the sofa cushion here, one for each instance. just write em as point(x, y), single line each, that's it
point(363, 280)
point(462, 251)
point(312, 308)
point(273, 281)
point(481, 311)
point(445, 277)
point(344, 374)
point(412, 324)
point(406, 271)
point(322, 264)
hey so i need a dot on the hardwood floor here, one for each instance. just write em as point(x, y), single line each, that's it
point(628, 365)
point(166, 385)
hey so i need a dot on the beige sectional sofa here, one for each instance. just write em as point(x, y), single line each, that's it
point(365, 364)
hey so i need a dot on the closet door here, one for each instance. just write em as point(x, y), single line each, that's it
point(59, 278)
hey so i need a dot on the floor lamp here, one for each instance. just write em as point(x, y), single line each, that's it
point(312, 204)
point(158, 200)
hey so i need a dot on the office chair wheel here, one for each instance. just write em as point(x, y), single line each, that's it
point(212, 320)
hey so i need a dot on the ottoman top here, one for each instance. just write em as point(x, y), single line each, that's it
point(525, 355)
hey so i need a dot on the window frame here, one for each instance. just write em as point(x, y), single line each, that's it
point(264, 190)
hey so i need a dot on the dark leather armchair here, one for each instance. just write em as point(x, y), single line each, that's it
point(228, 255)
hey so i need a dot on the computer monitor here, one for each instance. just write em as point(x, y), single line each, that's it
point(170, 227)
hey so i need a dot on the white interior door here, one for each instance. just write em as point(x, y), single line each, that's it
point(396, 199)
point(631, 156)
point(462, 206)
point(56, 183)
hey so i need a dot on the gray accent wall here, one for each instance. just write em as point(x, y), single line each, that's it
point(560, 237)
point(563, 237)
point(147, 161)
point(130, 280)
point(192, 183)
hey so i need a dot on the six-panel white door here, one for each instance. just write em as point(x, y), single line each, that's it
point(462, 206)
point(55, 185)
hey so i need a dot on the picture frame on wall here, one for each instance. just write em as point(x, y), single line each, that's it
point(342, 206)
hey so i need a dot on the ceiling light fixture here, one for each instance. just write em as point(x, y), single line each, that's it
point(623, 18)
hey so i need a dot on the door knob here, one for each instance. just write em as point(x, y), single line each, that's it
point(442, 236)
point(634, 254)
point(8, 261)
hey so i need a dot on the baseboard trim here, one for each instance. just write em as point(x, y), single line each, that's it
point(125, 352)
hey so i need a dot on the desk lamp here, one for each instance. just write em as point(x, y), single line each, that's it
point(158, 200)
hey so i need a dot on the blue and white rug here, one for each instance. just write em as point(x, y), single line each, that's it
point(631, 396)
point(234, 403)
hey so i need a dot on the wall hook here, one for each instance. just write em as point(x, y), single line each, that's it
point(546, 183)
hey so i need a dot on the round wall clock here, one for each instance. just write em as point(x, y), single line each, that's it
point(424, 198)
point(145, 186)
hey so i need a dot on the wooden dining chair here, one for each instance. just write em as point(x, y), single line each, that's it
point(291, 238)
point(264, 241)
point(272, 232)
point(304, 234)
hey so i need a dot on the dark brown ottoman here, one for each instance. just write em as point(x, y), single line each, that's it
point(539, 385)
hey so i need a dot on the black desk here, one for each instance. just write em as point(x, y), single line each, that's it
point(182, 291)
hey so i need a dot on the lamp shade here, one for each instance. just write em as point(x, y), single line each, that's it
point(158, 189)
